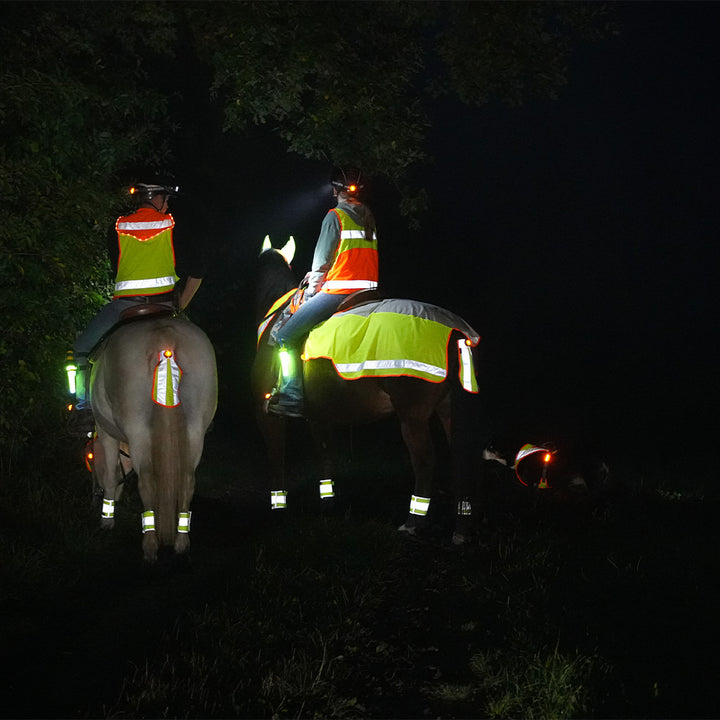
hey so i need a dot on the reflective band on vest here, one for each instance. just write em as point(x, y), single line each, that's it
point(166, 380)
point(184, 522)
point(278, 499)
point(349, 285)
point(419, 505)
point(148, 521)
point(146, 283)
point(108, 508)
point(128, 227)
point(327, 489)
point(466, 369)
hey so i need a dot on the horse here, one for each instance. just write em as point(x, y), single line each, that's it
point(331, 400)
point(153, 388)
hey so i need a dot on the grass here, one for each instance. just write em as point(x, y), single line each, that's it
point(554, 612)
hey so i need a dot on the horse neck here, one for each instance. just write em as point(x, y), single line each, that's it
point(273, 282)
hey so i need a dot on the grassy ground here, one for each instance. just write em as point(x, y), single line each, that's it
point(602, 609)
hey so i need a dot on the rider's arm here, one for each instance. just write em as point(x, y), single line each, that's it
point(191, 286)
point(325, 251)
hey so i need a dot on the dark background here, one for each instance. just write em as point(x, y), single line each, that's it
point(577, 235)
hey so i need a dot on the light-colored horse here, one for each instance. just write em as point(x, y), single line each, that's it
point(331, 400)
point(153, 386)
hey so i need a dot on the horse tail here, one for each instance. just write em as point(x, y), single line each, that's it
point(169, 459)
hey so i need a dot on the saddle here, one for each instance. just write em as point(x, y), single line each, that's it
point(141, 311)
point(138, 312)
point(360, 297)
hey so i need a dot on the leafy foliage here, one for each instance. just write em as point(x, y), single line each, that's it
point(73, 114)
point(90, 93)
point(351, 83)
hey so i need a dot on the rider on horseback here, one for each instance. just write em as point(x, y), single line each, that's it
point(345, 261)
point(143, 257)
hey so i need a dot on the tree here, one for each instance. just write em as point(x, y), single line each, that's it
point(352, 82)
point(74, 111)
point(91, 92)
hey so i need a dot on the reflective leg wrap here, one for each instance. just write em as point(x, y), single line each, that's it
point(327, 488)
point(108, 508)
point(464, 507)
point(419, 505)
point(184, 522)
point(148, 521)
point(278, 499)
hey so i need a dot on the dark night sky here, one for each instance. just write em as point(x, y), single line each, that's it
point(577, 235)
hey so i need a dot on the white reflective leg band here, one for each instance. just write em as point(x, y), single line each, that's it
point(278, 499)
point(108, 508)
point(327, 489)
point(464, 507)
point(184, 522)
point(148, 521)
point(419, 505)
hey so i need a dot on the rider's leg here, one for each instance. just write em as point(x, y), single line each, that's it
point(288, 399)
point(100, 325)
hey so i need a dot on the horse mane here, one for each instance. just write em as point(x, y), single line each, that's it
point(274, 278)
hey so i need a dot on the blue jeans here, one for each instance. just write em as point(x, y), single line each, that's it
point(106, 318)
point(318, 308)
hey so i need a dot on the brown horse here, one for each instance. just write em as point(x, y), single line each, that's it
point(331, 400)
point(153, 386)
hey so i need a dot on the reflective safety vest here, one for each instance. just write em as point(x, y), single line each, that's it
point(356, 259)
point(146, 265)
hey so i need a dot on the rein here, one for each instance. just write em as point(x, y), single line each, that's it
point(270, 315)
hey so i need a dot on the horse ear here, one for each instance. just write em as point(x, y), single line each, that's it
point(288, 250)
point(267, 245)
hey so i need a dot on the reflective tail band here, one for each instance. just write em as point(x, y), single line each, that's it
point(184, 522)
point(327, 489)
point(108, 508)
point(148, 521)
point(166, 380)
point(278, 499)
point(419, 505)
point(466, 367)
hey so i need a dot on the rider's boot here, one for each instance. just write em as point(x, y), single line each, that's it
point(287, 398)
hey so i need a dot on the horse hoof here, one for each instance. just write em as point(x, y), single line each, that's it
point(107, 523)
point(182, 543)
point(459, 539)
point(150, 547)
point(407, 529)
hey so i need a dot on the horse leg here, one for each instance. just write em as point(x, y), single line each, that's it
point(322, 439)
point(272, 428)
point(105, 468)
point(418, 440)
point(186, 489)
point(147, 487)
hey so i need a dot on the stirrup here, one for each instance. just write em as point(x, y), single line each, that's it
point(277, 404)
